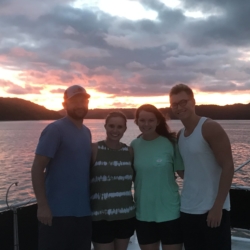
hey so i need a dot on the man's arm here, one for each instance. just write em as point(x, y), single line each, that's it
point(219, 142)
point(44, 214)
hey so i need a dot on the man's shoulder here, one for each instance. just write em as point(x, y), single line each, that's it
point(86, 128)
point(210, 124)
point(209, 121)
point(211, 128)
point(55, 125)
point(59, 122)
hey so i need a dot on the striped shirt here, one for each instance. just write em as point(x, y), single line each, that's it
point(111, 181)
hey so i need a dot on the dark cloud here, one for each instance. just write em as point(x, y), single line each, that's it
point(134, 89)
point(228, 23)
point(52, 43)
point(3, 3)
point(219, 87)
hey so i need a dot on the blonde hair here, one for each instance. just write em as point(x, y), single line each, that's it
point(181, 88)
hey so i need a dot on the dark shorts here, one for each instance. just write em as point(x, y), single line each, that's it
point(169, 232)
point(66, 233)
point(197, 235)
point(107, 231)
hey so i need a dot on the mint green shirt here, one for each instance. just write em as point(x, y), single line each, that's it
point(156, 191)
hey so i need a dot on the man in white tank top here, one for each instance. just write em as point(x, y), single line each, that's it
point(206, 152)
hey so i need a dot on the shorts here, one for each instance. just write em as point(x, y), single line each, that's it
point(168, 232)
point(197, 235)
point(107, 231)
point(66, 233)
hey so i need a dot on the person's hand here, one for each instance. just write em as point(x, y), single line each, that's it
point(214, 217)
point(44, 214)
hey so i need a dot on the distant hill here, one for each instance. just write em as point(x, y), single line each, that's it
point(102, 113)
point(228, 112)
point(15, 109)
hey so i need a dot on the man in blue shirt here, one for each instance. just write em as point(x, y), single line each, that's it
point(60, 177)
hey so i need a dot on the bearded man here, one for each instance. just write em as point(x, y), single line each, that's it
point(60, 177)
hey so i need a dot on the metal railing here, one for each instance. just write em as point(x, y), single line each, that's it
point(33, 200)
point(236, 170)
point(18, 205)
point(14, 207)
point(241, 166)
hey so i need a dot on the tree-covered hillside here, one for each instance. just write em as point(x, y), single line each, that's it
point(15, 109)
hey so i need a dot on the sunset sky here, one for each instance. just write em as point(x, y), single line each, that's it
point(125, 52)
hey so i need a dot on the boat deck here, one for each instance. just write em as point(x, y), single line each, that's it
point(237, 244)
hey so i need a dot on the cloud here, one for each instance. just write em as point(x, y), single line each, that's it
point(29, 8)
point(135, 66)
point(51, 43)
point(88, 52)
point(229, 25)
point(14, 89)
point(57, 91)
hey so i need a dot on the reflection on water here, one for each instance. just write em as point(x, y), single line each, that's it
point(239, 135)
point(18, 141)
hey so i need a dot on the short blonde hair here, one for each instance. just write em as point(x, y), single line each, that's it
point(181, 88)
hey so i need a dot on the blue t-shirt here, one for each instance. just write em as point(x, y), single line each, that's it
point(67, 174)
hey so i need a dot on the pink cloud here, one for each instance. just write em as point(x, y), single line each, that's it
point(20, 52)
point(74, 53)
point(12, 88)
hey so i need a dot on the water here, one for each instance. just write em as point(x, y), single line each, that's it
point(18, 141)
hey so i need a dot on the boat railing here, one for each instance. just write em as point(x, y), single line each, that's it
point(236, 170)
point(18, 205)
point(240, 195)
point(15, 206)
point(33, 200)
point(242, 165)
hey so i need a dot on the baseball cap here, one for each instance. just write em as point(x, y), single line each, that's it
point(75, 90)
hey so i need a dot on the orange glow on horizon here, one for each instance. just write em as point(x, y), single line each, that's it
point(104, 101)
point(222, 99)
point(53, 101)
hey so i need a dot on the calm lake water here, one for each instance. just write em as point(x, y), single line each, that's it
point(18, 141)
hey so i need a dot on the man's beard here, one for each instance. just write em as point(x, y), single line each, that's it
point(77, 115)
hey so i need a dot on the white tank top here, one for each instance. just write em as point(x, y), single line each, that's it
point(202, 173)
